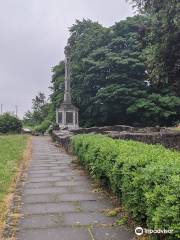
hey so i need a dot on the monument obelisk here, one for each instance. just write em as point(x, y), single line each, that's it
point(67, 83)
point(67, 113)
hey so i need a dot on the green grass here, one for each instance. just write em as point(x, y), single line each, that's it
point(12, 148)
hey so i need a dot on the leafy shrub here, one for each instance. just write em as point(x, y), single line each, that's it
point(145, 177)
point(43, 126)
point(9, 124)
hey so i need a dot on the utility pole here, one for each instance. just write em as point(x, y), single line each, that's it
point(16, 107)
point(1, 108)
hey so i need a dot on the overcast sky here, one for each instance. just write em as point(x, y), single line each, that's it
point(33, 34)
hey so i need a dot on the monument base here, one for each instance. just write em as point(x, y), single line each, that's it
point(67, 116)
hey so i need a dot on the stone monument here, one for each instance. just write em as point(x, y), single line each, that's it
point(67, 113)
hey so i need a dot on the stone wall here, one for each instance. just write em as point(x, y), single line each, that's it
point(63, 139)
point(169, 140)
point(118, 128)
point(166, 137)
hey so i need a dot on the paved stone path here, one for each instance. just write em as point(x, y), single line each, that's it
point(59, 203)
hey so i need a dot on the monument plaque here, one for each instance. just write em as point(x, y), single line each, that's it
point(59, 117)
point(69, 117)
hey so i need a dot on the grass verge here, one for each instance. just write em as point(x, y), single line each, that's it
point(14, 152)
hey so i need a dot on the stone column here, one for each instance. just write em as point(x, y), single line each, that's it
point(67, 92)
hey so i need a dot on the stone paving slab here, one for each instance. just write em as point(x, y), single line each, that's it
point(82, 188)
point(47, 190)
point(115, 233)
point(59, 202)
point(42, 164)
point(98, 205)
point(38, 185)
point(52, 167)
point(71, 183)
point(37, 171)
point(42, 208)
point(64, 174)
point(76, 178)
point(44, 179)
point(78, 197)
point(62, 233)
point(41, 221)
point(37, 175)
point(87, 218)
point(41, 198)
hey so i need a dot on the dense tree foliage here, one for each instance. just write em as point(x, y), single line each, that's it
point(10, 124)
point(57, 86)
point(163, 52)
point(112, 82)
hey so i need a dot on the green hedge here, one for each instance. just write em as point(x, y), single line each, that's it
point(145, 177)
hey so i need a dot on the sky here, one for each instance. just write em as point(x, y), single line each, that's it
point(33, 34)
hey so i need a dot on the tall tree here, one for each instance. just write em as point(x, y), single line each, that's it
point(163, 53)
point(106, 58)
point(110, 75)
point(40, 110)
point(38, 101)
point(57, 85)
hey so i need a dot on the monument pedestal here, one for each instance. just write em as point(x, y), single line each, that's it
point(67, 116)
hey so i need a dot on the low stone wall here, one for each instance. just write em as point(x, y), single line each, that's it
point(63, 138)
point(118, 128)
point(103, 129)
point(169, 139)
